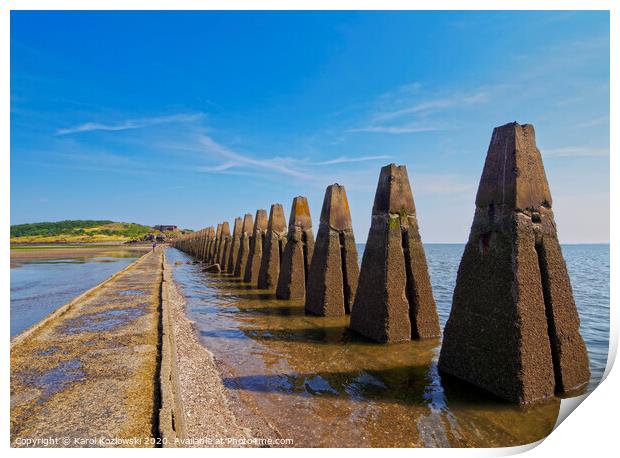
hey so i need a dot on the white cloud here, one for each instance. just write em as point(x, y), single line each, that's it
point(413, 116)
point(131, 123)
point(593, 122)
point(240, 163)
point(418, 108)
point(575, 152)
point(218, 168)
point(411, 128)
point(428, 106)
point(345, 159)
point(273, 164)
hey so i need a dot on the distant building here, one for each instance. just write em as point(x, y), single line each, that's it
point(166, 228)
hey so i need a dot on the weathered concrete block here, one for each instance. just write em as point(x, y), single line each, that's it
point(194, 244)
point(215, 245)
point(394, 300)
point(244, 245)
point(224, 250)
point(202, 241)
point(210, 239)
point(297, 253)
point(514, 328)
point(333, 275)
point(218, 243)
point(256, 247)
point(275, 240)
point(235, 243)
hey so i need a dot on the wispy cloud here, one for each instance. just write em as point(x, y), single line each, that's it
point(428, 106)
point(599, 121)
point(132, 123)
point(404, 129)
point(218, 168)
point(575, 152)
point(345, 159)
point(236, 159)
point(405, 90)
point(101, 161)
point(235, 162)
point(414, 115)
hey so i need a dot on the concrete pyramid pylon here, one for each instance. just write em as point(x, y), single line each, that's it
point(273, 248)
point(333, 274)
point(394, 300)
point(513, 328)
point(215, 245)
point(297, 253)
point(210, 235)
point(256, 247)
point(224, 249)
point(202, 241)
point(234, 246)
point(244, 244)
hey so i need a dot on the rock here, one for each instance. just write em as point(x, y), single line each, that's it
point(394, 300)
point(275, 240)
point(256, 247)
point(514, 328)
point(244, 245)
point(333, 274)
point(215, 268)
point(297, 253)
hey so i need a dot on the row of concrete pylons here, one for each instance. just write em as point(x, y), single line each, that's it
point(513, 328)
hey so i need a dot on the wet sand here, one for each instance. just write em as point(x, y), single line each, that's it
point(90, 369)
point(57, 252)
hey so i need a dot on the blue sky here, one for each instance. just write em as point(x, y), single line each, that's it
point(192, 118)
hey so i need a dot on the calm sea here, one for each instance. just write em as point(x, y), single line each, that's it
point(40, 286)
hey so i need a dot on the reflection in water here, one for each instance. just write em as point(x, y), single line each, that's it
point(323, 386)
point(40, 286)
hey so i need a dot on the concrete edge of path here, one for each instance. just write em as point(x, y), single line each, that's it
point(29, 332)
point(171, 415)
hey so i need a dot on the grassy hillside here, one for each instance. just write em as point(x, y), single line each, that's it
point(82, 231)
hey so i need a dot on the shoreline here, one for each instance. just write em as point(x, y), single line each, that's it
point(66, 307)
point(54, 252)
point(195, 404)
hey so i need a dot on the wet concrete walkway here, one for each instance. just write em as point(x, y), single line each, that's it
point(87, 376)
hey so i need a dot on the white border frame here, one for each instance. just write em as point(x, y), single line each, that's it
point(590, 429)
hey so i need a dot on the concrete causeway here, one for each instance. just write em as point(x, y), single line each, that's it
point(88, 374)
